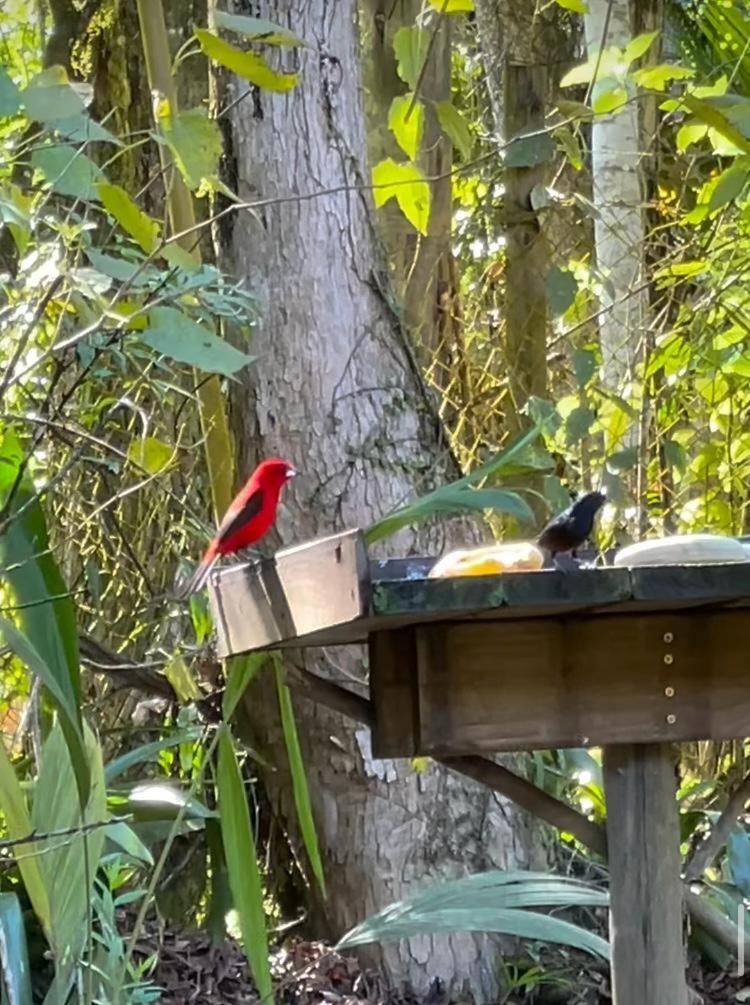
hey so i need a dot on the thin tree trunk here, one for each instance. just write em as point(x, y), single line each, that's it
point(335, 389)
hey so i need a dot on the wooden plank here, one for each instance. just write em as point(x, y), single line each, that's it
point(643, 839)
point(583, 681)
point(393, 692)
point(300, 591)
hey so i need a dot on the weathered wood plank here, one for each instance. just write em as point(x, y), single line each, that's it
point(393, 692)
point(643, 840)
point(300, 591)
point(583, 680)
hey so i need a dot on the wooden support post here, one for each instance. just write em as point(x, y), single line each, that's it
point(648, 957)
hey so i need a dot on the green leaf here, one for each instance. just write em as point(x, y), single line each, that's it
point(528, 151)
point(738, 364)
point(577, 6)
point(179, 676)
point(257, 29)
point(10, 96)
point(639, 46)
point(195, 141)
point(248, 65)
point(455, 127)
point(561, 287)
point(18, 824)
point(584, 366)
point(242, 669)
point(407, 123)
point(656, 78)
point(14, 955)
point(176, 335)
point(453, 6)
point(488, 902)
point(133, 220)
point(299, 779)
point(690, 133)
point(410, 46)
point(49, 97)
point(147, 752)
point(125, 838)
point(729, 185)
point(151, 454)
point(623, 460)
point(68, 171)
point(242, 864)
point(577, 424)
point(406, 184)
point(569, 142)
point(83, 129)
point(609, 100)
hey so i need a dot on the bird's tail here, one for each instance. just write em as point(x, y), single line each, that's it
point(198, 580)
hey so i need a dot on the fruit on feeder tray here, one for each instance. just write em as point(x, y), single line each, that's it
point(684, 549)
point(513, 556)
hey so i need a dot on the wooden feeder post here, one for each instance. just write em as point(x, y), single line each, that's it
point(631, 660)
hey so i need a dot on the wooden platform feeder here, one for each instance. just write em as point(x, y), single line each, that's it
point(632, 660)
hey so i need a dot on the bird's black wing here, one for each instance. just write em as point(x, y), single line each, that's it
point(234, 521)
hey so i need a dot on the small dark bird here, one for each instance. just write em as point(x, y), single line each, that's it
point(568, 531)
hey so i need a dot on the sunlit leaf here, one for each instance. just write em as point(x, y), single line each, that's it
point(69, 171)
point(248, 65)
point(609, 100)
point(133, 220)
point(729, 184)
point(690, 133)
point(656, 78)
point(406, 122)
point(577, 6)
point(406, 184)
point(299, 779)
point(257, 29)
point(242, 864)
point(195, 140)
point(639, 46)
point(455, 127)
point(453, 6)
point(176, 335)
point(151, 454)
point(410, 46)
point(182, 680)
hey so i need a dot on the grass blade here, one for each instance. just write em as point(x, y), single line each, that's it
point(242, 863)
point(299, 779)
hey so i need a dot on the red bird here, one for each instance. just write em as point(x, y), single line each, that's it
point(249, 517)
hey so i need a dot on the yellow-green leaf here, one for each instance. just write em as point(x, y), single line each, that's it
point(179, 676)
point(410, 46)
point(151, 454)
point(455, 127)
point(577, 6)
point(242, 864)
point(406, 184)
point(406, 122)
point(656, 78)
point(133, 220)
point(453, 6)
point(639, 46)
point(610, 100)
point(691, 132)
point(245, 64)
point(195, 141)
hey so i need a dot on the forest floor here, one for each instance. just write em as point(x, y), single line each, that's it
point(191, 969)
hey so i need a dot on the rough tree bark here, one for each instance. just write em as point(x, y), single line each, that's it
point(335, 389)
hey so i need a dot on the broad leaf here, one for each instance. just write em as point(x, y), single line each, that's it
point(656, 78)
point(406, 184)
point(410, 46)
point(299, 779)
point(151, 454)
point(133, 220)
point(584, 366)
point(609, 100)
point(248, 65)
point(453, 6)
point(738, 853)
point(68, 171)
point(195, 141)
point(561, 287)
point(577, 6)
point(455, 127)
point(147, 752)
point(577, 424)
point(49, 97)
point(729, 184)
point(176, 335)
point(639, 46)
point(83, 129)
point(257, 29)
point(10, 98)
point(406, 122)
point(14, 955)
point(242, 864)
point(528, 151)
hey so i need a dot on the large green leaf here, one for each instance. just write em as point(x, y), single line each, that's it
point(133, 220)
point(14, 956)
point(195, 140)
point(249, 65)
point(406, 122)
point(10, 99)
point(147, 752)
point(18, 824)
point(49, 97)
point(407, 185)
point(176, 335)
point(455, 127)
point(68, 171)
point(299, 779)
point(242, 864)
point(488, 902)
point(410, 46)
point(257, 29)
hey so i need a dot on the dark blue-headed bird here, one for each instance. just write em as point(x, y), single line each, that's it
point(568, 531)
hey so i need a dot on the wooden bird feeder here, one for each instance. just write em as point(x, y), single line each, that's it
point(632, 660)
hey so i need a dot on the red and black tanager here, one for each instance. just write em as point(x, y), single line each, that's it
point(250, 516)
point(568, 531)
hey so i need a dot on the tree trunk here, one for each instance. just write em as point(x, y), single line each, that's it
point(335, 389)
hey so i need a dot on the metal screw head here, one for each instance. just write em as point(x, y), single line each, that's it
point(668, 637)
point(669, 659)
point(671, 719)
point(669, 692)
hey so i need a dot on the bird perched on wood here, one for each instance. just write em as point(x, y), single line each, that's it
point(250, 516)
point(568, 531)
